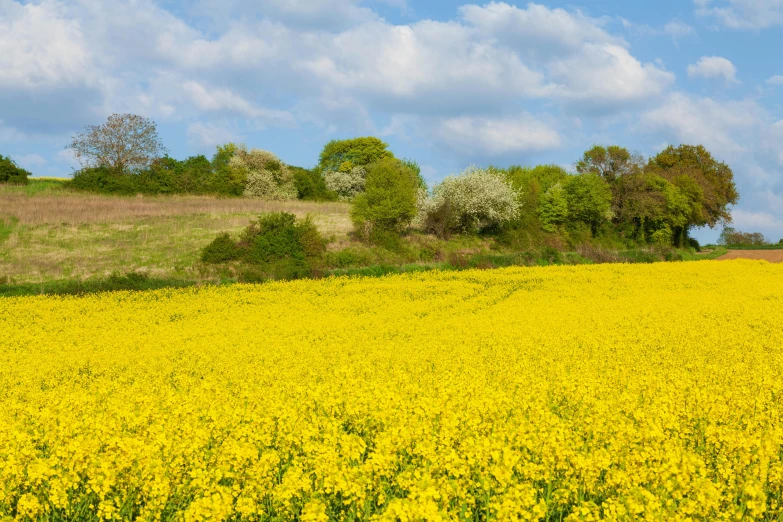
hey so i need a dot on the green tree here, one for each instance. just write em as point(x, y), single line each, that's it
point(310, 185)
point(414, 166)
point(12, 173)
point(707, 184)
point(388, 204)
point(343, 155)
point(553, 208)
point(589, 201)
point(610, 162)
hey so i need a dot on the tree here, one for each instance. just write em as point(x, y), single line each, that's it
point(388, 203)
point(553, 208)
point(343, 155)
point(476, 200)
point(265, 175)
point(589, 200)
point(610, 162)
point(125, 143)
point(707, 183)
point(731, 236)
point(12, 173)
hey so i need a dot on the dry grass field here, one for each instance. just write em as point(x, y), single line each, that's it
point(773, 256)
point(47, 233)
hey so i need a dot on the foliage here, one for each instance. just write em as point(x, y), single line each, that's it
point(12, 173)
point(276, 236)
point(707, 184)
point(189, 404)
point(347, 185)
point(310, 185)
point(266, 177)
point(475, 200)
point(732, 237)
point(166, 175)
point(589, 201)
point(388, 203)
point(125, 143)
point(344, 155)
point(553, 208)
point(611, 163)
point(416, 169)
point(222, 250)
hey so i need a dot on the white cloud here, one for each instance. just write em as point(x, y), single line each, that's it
point(213, 99)
point(607, 76)
point(775, 80)
point(208, 135)
point(477, 136)
point(40, 46)
point(747, 221)
point(713, 67)
point(718, 125)
point(331, 15)
point(537, 31)
point(678, 29)
point(743, 14)
point(428, 65)
point(31, 161)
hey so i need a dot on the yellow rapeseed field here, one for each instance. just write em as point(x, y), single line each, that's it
point(616, 392)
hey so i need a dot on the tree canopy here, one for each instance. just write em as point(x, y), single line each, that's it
point(126, 143)
point(344, 155)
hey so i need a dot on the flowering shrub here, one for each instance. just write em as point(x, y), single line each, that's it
point(347, 185)
point(470, 202)
point(266, 177)
point(605, 392)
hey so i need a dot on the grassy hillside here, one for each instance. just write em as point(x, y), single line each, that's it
point(48, 233)
point(54, 240)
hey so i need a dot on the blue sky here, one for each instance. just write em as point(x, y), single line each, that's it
point(446, 83)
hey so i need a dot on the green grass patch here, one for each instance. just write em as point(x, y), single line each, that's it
point(131, 281)
point(7, 226)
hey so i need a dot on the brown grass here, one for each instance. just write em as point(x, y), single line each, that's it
point(76, 208)
point(59, 234)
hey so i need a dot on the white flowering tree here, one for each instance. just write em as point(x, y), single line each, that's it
point(266, 176)
point(348, 184)
point(469, 202)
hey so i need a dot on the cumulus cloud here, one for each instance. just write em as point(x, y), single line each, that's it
point(768, 224)
point(775, 80)
point(742, 14)
point(208, 135)
point(40, 47)
point(713, 67)
point(719, 125)
point(481, 136)
point(220, 100)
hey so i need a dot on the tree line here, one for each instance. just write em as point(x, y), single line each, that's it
point(611, 194)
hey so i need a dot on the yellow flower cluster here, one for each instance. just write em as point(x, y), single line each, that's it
point(611, 392)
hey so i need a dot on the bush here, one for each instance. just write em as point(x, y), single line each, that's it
point(266, 177)
point(473, 201)
point(12, 173)
point(272, 239)
point(347, 185)
point(388, 204)
point(310, 185)
point(222, 250)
